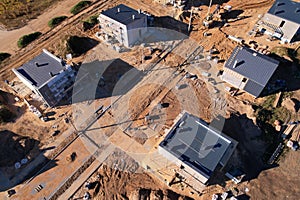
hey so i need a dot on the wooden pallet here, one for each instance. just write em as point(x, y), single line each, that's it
point(289, 129)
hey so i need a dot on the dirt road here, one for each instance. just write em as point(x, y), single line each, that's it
point(251, 9)
point(9, 38)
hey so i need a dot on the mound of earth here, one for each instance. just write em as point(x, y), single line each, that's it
point(116, 184)
point(143, 193)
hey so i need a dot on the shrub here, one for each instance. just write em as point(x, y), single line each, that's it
point(27, 39)
point(56, 21)
point(80, 6)
point(78, 45)
point(3, 56)
point(93, 20)
point(90, 22)
point(5, 114)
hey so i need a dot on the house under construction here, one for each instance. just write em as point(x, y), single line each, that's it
point(48, 76)
point(196, 148)
point(124, 24)
point(282, 21)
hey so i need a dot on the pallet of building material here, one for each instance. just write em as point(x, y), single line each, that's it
point(296, 134)
point(298, 137)
point(288, 130)
point(276, 154)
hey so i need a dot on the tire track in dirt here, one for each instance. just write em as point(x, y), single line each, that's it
point(54, 35)
point(51, 37)
point(254, 5)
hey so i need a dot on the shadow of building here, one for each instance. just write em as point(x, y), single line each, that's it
point(170, 23)
point(101, 79)
point(16, 158)
point(249, 156)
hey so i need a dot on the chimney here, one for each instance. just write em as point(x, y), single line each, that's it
point(51, 74)
point(235, 63)
point(36, 64)
point(133, 17)
point(119, 10)
point(280, 4)
point(278, 12)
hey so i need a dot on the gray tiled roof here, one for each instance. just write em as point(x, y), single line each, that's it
point(195, 144)
point(253, 88)
point(125, 14)
point(255, 66)
point(286, 9)
point(37, 70)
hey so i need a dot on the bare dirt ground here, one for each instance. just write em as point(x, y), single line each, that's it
point(280, 182)
point(39, 24)
point(53, 176)
point(125, 181)
point(115, 184)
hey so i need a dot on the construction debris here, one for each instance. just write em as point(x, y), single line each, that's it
point(277, 99)
point(71, 157)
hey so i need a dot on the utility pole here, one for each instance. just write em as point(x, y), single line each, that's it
point(210, 3)
point(189, 27)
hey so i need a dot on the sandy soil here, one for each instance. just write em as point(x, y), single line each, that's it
point(54, 177)
point(125, 180)
point(280, 182)
point(39, 24)
point(137, 186)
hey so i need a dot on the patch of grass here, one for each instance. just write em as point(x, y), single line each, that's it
point(268, 103)
point(287, 94)
point(266, 114)
point(80, 6)
point(280, 51)
point(56, 21)
point(4, 56)
point(90, 22)
point(16, 13)
point(293, 54)
point(92, 19)
point(27, 39)
point(280, 114)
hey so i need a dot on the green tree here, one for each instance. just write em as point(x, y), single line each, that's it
point(80, 6)
point(56, 21)
point(3, 56)
point(27, 39)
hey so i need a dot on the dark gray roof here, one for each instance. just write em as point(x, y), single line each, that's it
point(37, 70)
point(195, 144)
point(253, 65)
point(286, 9)
point(253, 88)
point(125, 14)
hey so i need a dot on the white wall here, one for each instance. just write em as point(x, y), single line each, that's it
point(115, 27)
point(289, 28)
point(232, 78)
point(136, 30)
point(24, 80)
point(130, 32)
point(178, 162)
